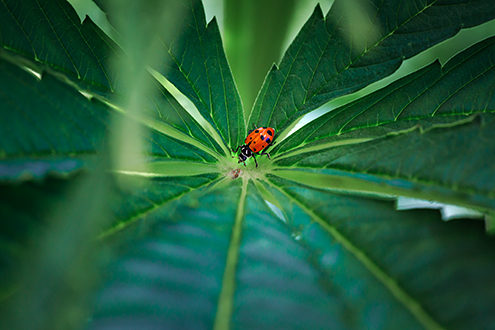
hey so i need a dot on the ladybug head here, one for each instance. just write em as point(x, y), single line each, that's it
point(244, 154)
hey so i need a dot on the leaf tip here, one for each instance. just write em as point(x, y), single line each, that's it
point(213, 21)
point(318, 12)
point(212, 25)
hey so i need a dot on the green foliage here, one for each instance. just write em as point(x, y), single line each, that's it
point(320, 65)
point(171, 232)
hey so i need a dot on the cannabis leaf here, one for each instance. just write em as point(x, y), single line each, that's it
point(189, 238)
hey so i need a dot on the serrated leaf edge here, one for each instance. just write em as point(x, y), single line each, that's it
point(409, 303)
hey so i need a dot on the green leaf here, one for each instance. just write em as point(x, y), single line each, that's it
point(43, 137)
point(320, 65)
point(50, 33)
point(185, 271)
point(49, 36)
point(394, 269)
point(431, 97)
point(31, 208)
point(278, 283)
point(341, 273)
point(176, 269)
point(309, 239)
point(420, 132)
point(198, 68)
point(163, 107)
point(134, 208)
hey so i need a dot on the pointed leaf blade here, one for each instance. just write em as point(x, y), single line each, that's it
point(433, 96)
point(199, 69)
point(49, 35)
point(320, 65)
point(177, 269)
point(430, 132)
point(58, 130)
point(410, 257)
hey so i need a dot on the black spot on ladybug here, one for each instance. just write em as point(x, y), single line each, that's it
point(267, 140)
point(257, 131)
point(262, 137)
point(270, 133)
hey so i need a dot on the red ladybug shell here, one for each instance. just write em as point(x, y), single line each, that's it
point(260, 138)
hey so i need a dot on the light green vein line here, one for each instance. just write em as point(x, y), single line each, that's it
point(415, 126)
point(461, 196)
point(413, 306)
point(22, 29)
point(156, 125)
point(387, 94)
point(227, 110)
point(324, 49)
point(451, 95)
point(289, 72)
point(160, 126)
point(226, 298)
point(41, 96)
point(171, 168)
point(50, 24)
point(324, 146)
point(133, 219)
point(443, 74)
point(190, 108)
point(377, 43)
point(78, 27)
point(281, 88)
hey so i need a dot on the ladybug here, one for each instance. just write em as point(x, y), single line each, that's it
point(257, 140)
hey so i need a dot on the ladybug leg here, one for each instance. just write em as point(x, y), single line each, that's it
point(265, 153)
point(255, 161)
